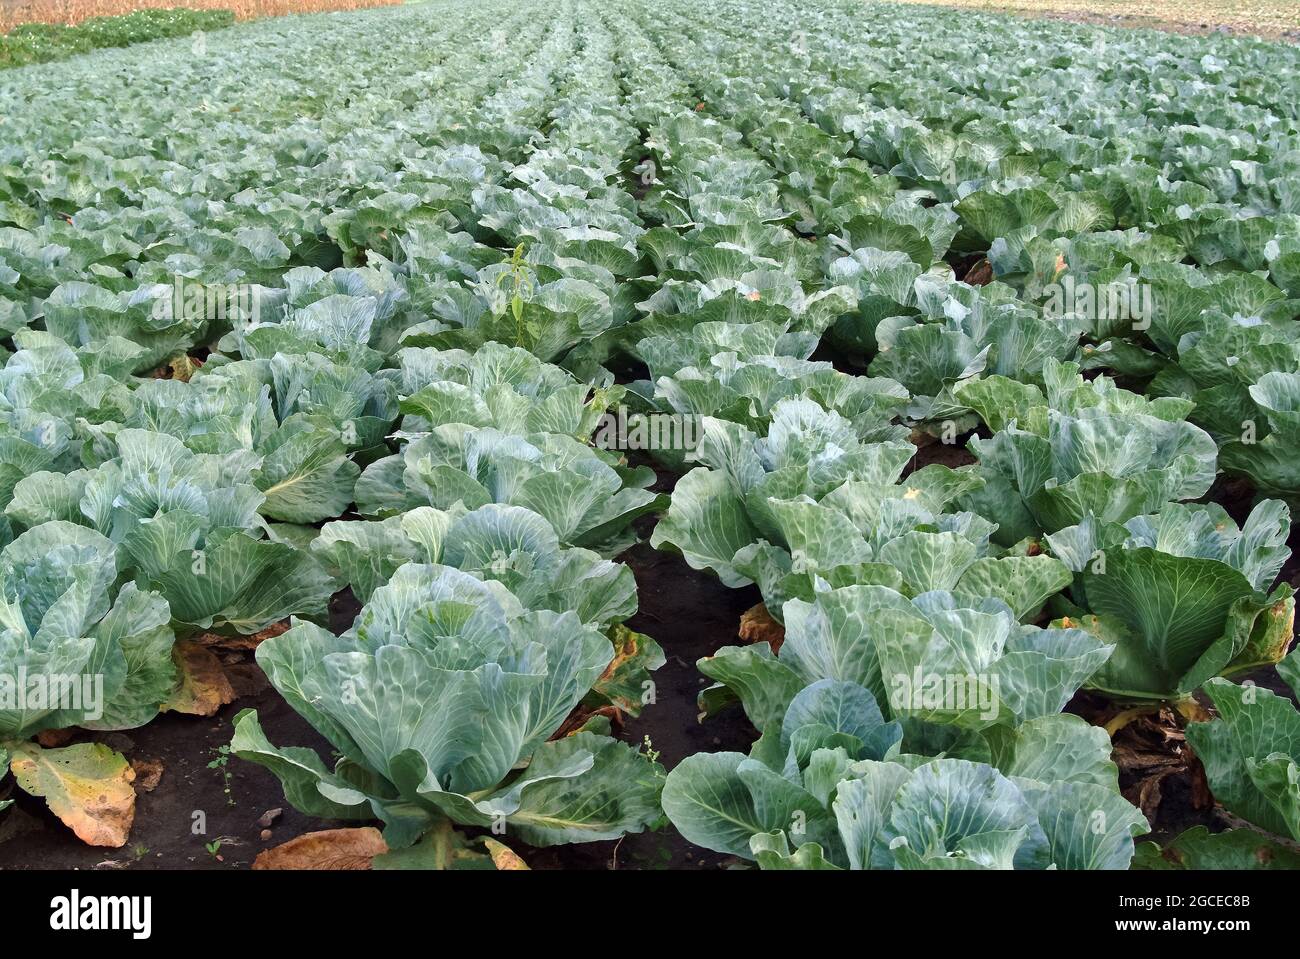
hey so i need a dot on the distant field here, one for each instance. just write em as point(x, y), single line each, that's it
point(14, 12)
point(1277, 19)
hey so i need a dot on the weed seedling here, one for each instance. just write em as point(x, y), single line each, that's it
point(222, 763)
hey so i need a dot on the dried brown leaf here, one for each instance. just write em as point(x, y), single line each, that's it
point(758, 626)
point(148, 773)
point(333, 849)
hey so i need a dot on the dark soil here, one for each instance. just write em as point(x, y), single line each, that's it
point(164, 836)
point(691, 615)
point(933, 451)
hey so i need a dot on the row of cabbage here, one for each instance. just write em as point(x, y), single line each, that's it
point(903, 601)
point(422, 240)
point(253, 483)
point(1177, 212)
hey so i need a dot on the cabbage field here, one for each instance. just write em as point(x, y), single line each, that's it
point(760, 434)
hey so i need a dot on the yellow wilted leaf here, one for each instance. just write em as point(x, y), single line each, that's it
point(88, 786)
point(204, 687)
point(503, 857)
